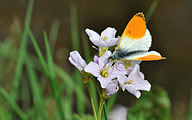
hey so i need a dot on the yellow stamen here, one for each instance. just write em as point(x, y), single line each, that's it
point(129, 82)
point(104, 38)
point(127, 64)
point(104, 72)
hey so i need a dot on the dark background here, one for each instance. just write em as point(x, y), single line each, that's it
point(170, 26)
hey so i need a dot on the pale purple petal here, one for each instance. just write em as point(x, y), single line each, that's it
point(133, 63)
point(76, 65)
point(92, 68)
point(104, 81)
point(96, 59)
point(143, 85)
point(106, 39)
point(92, 35)
point(132, 90)
point(109, 32)
point(113, 41)
point(134, 82)
point(136, 70)
point(121, 79)
point(103, 59)
point(112, 88)
point(118, 69)
point(76, 59)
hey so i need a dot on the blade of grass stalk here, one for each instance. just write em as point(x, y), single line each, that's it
point(68, 104)
point(49, 57)
point(74, 28)
point(25, 94)
point(105, 115)
point(94, 94)
point(22, 53)
point(75, 46)
point(111, 102)
point(53, 34)
point(80, 104)
point(86, 48)
point(70, 83)
point(38, 51)
point(12, 103)
point(36, 90)
point(52, 78)
point(3, 112)
point(4, 50)
point(92, 102)
point(151, 10)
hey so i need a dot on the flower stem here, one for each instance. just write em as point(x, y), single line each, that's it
point(92, 102)
point(96, 85)
point(102, 101)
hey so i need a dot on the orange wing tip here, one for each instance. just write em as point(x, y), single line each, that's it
point(136, 28)
point(151, 58)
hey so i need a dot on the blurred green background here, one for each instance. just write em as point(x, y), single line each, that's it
point(170, 25)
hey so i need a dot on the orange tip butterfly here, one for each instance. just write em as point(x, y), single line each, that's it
point(135, 42)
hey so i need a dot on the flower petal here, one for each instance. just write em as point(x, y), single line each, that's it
point(103, 81)
point(112, 88)
point(103, 59)
point(92, 68)
point(109, 32)
point(76, 59)
point(94, 37)
point(96, 59)
point(121, 79)
point(132, 90)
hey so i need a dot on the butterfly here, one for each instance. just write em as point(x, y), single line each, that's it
point(135, 42)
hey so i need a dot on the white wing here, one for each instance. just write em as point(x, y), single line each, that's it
point(140, 44)
point(145, 56)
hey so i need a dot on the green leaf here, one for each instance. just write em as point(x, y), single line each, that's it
point(152, 105)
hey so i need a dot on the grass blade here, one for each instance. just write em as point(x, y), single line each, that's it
point(151, 10)
point(75, 46)
point(74, 29)
point(12, 103)
point(105, 112)
point(111, 102)
point(38, 51)
point(53, 34)
point(22, 52)
point(36, 90)
point(52, 78)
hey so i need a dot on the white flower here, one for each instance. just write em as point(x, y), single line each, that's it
point(112, 88)
point(104, 71)
point(76, 59)
point(106, 39)
point(134, 82)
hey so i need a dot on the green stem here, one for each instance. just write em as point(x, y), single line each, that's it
point(92, 102)
point(105, 111)
point(96, 85)
point(102, 101)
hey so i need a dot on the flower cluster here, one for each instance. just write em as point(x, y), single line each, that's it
point(113, 76)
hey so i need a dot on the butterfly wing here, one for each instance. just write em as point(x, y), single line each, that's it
point(133, 33)
point(144, 56)
point(136, 41)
